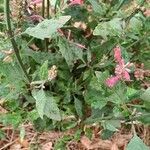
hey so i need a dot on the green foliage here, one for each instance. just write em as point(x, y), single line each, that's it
point(61, 143)
point(79, 107)
point(70, 52)
point(113, 27)
point(79, 40)
point(146, 95)
point(46, 105)
point(136, 144)
point(47, 28)
point(43, 73)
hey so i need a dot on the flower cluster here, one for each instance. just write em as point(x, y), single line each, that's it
point(121, 71)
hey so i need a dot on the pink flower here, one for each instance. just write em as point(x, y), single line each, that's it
point(117, 54)
point(121, 71)
point(110, 82)
point(36, 2)
point(76, 2)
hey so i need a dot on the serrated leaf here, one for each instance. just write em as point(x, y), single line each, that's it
point(70, 52)
point(146, 95)
point(47, 28)
point(46, 105)
point(136, 144)
point(43, 73)
point(113, 27)
point(78, 107)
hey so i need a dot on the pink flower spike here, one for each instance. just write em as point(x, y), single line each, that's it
point(110, 82)
point(117, 54)
point(76, 2)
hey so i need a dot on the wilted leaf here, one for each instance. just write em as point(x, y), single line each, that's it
point(136, 144)
point(47, 146)
point(114, 147)
point(46, 105)
point(47, 28)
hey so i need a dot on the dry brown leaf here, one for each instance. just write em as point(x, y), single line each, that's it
point(80, 25)
point(2, 110)
point(122, 140)
point(85, 142)
point(97, 143)
point(34, 47)
point(147, 13)
point(8, 59)
point(24, 143)
point(114, 147)
point(15, 146)
point(47, 146)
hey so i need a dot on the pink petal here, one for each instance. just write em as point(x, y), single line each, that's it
point(147, 13)
point(126, 76)
point(110, 82)
point(117, 54)
point(74, 2)
point(80, 45)
point(36, 2)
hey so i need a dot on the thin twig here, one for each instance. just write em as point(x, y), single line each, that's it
point(9, 144)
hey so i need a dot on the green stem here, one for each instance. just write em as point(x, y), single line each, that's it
point(13, 42)
point(48, 6)
point(46, 44)
point(43, 8)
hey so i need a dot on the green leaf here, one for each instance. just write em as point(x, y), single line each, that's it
point(146, 95)
point(136, 144)
point(2, 135)
point(98, 7)
point(43, 73)
point(11, 119)
point(47, 28)
point(101, 76)
point(131, 92)
point(113, 27)
point(106, 134)
point(70, 52)
point(112, 125)
point(145, 119)
point(46, 105)
point(135, 24)
point(78, 107)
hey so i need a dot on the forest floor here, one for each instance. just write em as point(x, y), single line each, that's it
point(34, 140)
